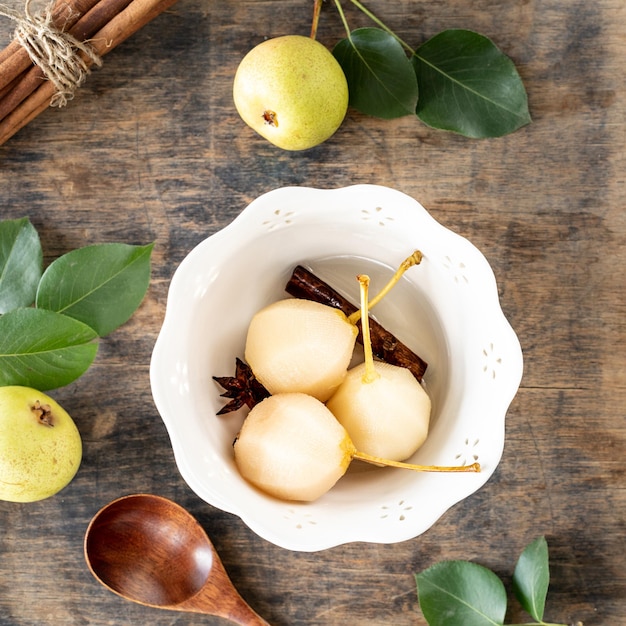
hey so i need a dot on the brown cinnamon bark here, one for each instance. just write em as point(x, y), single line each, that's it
point(14, 60)
point(123, 19)
point(83, 29)
point(304, 284)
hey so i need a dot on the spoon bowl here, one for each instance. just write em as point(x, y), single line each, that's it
point(150, 550)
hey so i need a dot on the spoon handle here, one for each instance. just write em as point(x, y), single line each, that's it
point(234, 608)
point(219, 596)
point(244, 615)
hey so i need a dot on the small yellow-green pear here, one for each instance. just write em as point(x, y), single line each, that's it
point(40, 446)
point(292, 91)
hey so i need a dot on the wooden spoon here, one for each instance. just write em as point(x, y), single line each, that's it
point(150, 550)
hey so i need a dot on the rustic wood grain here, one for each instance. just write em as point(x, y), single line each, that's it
point(151, 149)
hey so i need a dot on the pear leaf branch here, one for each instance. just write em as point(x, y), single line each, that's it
point(462, 592)
point(458, 80)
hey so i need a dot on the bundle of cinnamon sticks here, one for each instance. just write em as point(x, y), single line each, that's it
point(25, 91)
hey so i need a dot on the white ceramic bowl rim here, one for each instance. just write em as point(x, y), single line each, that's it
point(456, 322)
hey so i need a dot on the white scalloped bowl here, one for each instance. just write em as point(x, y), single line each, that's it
point(446, 309)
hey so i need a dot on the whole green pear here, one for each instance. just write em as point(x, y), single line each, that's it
point(40, 446)
point(292, 91)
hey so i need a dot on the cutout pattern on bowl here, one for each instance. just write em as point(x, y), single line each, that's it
point(300, 519)
point(376, 215)
point(493, 362)
point(397, 511)
point(458, 269)
point(470, 452)
point(279, 217)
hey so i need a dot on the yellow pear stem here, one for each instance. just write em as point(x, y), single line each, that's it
point(317, 9)
point(370, 370)
point(375, 460)
point(410, 261)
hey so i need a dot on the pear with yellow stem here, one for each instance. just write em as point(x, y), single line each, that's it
point(297, 345)
point(291, 447)
point(382, 406)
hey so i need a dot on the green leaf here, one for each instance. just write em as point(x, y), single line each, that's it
point(43, 349)
point(101, 285)
point(21, 263)
point(532, 577)
point(452, 593)
point(467, 85)
point(381, 81)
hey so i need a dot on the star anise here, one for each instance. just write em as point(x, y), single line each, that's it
point(243, 388)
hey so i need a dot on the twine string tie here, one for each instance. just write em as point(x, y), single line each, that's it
point(57, 53)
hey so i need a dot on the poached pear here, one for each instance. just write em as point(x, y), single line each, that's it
point(387, 416)
point(382, 406)
point(291, 447)
point(296, 345)
point(292, 91)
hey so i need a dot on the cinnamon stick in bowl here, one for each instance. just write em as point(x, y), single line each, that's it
point(305, 284)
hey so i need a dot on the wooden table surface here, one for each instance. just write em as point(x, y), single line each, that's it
point(151, 149)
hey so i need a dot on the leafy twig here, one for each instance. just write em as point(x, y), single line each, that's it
point(457, 81)
point(342, 15)
point(381, 25)
point(50, 321)
point(462, 592)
